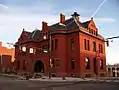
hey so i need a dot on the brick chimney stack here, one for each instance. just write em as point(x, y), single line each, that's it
point(44, 26)
point(62, 18)
point(0, 44)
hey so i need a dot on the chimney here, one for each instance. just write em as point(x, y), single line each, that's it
point(44, 26)
point(0, 44)
point(62, 18)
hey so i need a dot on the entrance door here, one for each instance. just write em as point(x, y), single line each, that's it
point(39, 66)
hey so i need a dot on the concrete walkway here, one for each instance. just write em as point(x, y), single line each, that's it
point(12, 76)
point(59, 79)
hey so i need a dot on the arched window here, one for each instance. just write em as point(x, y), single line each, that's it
point(87, 63)
point(101, 64)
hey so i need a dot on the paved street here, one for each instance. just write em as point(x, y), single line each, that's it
point(15, 84)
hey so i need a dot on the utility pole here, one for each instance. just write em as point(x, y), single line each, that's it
point(50, 61)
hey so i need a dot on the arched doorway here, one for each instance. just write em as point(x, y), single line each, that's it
point(39, 66)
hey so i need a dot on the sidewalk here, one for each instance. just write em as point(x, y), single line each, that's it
point(12, 76)
point(59, 79)
point(55, 79)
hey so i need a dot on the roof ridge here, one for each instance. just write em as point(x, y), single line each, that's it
point(76, 22)
point(33, 33)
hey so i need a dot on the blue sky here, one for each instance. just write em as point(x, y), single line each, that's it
point(29, 14)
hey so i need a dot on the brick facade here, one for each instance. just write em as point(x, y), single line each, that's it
point(6, 58)
point(70, 46)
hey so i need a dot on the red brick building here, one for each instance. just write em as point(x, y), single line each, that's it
point(7, 51)
point(5, 63)
point(74, 48)
point(6, 58)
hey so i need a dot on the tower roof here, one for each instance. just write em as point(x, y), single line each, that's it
point(75, 14)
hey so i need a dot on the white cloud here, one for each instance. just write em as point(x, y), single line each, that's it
point(3, 6)
point(11, 25)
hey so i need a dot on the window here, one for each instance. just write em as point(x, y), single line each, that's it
point(101, 64)
point(56, 44)
point(85, 44)
point(57, 62)
point(53, 62)
point(72, 44)
point(72, 64)
point(88, 43)
point(87, 63)
point(94, 46)
point(101, 48)
point(34, 51)
point(18, 65)
point(24, 49)
point(44, 48)
point(96, 33)
point(52, 44)
point(92, 31)
point(40, 49)
point(89, 30)
point(24, 64)
point(31, 50)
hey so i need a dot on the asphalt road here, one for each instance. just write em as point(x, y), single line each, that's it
point(14, 84)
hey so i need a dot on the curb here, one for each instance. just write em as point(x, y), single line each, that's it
point(11, 76)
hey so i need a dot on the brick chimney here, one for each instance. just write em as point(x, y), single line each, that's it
point(0, 44)
point(62, 18)
point(44, 26)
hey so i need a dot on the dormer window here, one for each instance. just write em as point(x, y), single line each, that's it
point(94, 32)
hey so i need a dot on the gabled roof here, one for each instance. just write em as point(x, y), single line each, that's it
point(35, 34)
point(85, 24)
point(26, 33)
point(69, 24)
